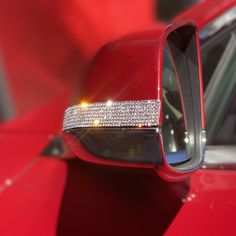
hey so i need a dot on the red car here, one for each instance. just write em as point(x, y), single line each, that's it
point(45, 190)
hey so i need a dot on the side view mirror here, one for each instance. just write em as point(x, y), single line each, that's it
point(142, 104)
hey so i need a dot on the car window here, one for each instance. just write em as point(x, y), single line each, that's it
point(211, 56)
point(219, 75)
point(220, 98)
point(226, 134)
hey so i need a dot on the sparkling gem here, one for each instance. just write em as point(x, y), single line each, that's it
point(144, 113)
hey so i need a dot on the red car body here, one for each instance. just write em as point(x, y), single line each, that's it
point(46, 47)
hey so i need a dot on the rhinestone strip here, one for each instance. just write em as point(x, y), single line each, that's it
point(113, 114)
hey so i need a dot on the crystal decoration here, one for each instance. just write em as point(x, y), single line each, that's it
point(136, 113)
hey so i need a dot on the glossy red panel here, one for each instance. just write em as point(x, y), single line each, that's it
point(92, 23)
point(31, 186)
point(30, 206)
point(125, 70)
point(134, 201)
point(209, 208)
point(205, 11)
point(117, 201)
point(45, 45)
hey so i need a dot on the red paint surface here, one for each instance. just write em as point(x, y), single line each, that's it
point(31, 205)
point(212, 210)
point(120, 70)
point(93, 23)
point(117, 201)
point(205, 11)
point(45, 44)
point(45, 47)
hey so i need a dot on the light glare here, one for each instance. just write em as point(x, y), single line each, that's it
point(84, 104)
point(96, 122)
point(109, 103)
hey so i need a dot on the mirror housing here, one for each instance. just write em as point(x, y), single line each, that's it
point(121, 116)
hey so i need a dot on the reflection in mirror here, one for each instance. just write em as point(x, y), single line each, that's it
point(182, 129)
point(173, 128)
point(121, 144)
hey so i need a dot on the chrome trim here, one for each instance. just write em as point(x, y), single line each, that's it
point(220, 157)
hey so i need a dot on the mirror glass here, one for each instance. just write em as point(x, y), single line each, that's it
point(181, 130)
point(173, 127)
point(121, 144)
